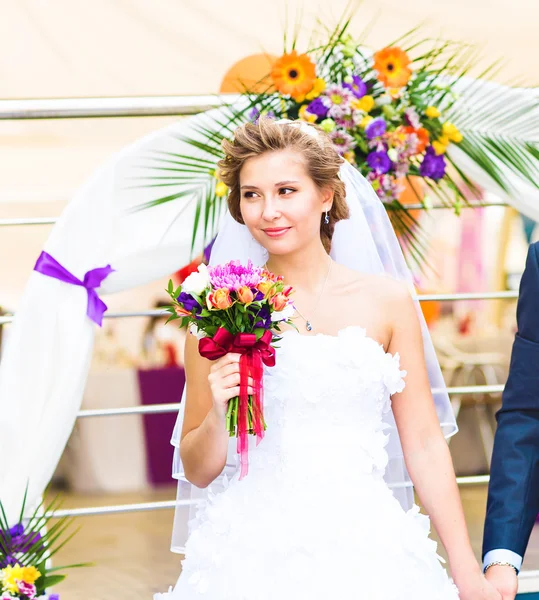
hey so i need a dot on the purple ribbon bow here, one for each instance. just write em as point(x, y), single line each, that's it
point(47, 265)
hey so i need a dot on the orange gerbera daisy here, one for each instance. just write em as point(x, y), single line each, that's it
point(392, 67)
point(294, 74)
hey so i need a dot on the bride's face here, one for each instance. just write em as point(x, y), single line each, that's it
point(280, 203)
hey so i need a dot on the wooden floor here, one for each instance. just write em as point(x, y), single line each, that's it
point(131, 553)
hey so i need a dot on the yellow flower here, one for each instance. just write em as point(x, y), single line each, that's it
point(318, 87)
point(365, 121)
point(451, 132)
point(221, 189)
point(9, 575)
point(306, 116)
point(432, 112)
point(350, 157)
point(439, 148)
point(366, 104)
point(30, 574)
point(294, 74)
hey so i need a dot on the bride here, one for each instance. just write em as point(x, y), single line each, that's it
point(326, 510)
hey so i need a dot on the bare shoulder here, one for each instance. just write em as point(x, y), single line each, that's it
point(383, 288)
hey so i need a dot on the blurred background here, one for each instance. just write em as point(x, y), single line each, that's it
point(125, 48)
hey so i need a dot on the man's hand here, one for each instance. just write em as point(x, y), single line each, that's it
point(504, 579)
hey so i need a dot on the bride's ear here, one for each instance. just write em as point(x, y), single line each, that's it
point(327, 199)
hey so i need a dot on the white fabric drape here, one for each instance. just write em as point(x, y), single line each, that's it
point(44, 367)
point(45, 364)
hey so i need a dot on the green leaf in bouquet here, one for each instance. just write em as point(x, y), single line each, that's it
point(170, 287)
point(259, 332)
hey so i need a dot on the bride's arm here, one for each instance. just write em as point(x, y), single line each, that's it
point(204, 438)
point(426, 452)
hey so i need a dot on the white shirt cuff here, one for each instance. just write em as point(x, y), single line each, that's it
point(502, 555)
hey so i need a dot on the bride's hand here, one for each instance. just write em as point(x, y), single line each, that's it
point(224, 380)
point(477, 588)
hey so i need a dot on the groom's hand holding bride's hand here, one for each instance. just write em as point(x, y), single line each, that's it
point(504, 579)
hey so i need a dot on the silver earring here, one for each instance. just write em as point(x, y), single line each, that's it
point(326, 219)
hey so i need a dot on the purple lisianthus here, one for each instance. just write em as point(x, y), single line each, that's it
point(319, 107)
point(188, 302)
point(358, 87)
point(379, 162)
point(264, 318)
point(54, 596)
point(375, 128)
point(433, 165)
point(7, 561)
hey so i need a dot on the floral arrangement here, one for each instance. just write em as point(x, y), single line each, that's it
point(401, 114)
point(373, 112)
point(25, 550)
point(235, 308)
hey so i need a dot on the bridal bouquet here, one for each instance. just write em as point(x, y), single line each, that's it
point(25, 550)
point(234, 308)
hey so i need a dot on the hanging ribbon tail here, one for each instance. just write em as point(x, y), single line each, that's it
point(94, 278)
point(243, 415)
point(96, 308)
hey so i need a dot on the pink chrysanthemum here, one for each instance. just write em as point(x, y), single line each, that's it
point(342, 141)
point(234, 275)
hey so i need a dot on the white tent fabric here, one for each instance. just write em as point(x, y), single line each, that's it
point(45, 364)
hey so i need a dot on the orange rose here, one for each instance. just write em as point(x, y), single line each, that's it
point(245, 295)
point(219, 299)
point(279, 301)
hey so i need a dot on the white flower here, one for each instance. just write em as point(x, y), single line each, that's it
point(197, 282)
point(194, 330)
point(282, 315)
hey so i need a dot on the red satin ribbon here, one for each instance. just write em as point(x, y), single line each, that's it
point(254, 353)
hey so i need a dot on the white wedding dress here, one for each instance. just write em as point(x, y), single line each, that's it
point(314, 519)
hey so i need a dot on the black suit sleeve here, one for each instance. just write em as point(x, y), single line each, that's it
point(513, 498)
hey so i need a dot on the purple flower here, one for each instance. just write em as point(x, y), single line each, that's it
point(433, 165)
point(375, 128)
point(54, 596)
point(318, 107)
point(188, 302)
point(16, 530)
point(358, 87)
point(254, 114)
point(264, 318)
point(379, 162)
point(8, 560)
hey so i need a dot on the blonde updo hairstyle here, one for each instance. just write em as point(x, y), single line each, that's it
point(321, 161)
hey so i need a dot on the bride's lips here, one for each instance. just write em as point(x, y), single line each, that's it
point(276, 231)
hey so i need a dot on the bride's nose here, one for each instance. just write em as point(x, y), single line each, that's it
point(271, 210)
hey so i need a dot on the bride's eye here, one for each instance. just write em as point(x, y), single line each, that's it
point(286, 190)
point(249, 194)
